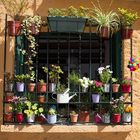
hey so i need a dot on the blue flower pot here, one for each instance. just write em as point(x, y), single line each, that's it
point(51, 119)
point(20, 87)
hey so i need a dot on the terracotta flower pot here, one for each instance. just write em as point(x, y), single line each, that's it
point(9, 96)
point(84, 116)
point(14, 28)
point(19, 117)
point(127, 33)
point(74, 118)
point(105, 32)
point(31, 87)
point(8, 117)
point(116, 118)
point(41, 98)
point(42, 87)
point(115, 87)
point(126, 88)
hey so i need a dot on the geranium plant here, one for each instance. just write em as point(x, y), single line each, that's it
point(105, 74)
point(97, 87)
point(126, 81)
point(117, 105)
point(18, 103)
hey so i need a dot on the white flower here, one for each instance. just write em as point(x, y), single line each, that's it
point(110, 71)
point(108, 66)
point(101, 69)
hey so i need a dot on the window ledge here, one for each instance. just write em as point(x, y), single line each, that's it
point(65, 128)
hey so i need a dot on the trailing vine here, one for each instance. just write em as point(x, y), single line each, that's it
point(29, 23)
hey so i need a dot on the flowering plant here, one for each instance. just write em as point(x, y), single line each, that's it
point(128, 109)
point(18, 103)
point(85, 82)
point(97, 87)
point(117, 105)
point(127, 81)
point(32, 109)
point(105, 74)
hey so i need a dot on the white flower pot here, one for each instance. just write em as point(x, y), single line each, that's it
point(52, 87)
point(31, 119)
point(106, 87)
point(126, 117)
point(106, 118)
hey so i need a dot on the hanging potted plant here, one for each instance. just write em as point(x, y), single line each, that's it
point(115, 85)
point(68, 19)
point(51, 116)
point(15, 9)
point(41, 86)
point(20, 79)
point(126, 85)
point(31, 25)
point(128, 18)
point(97, 89)
point(31, 110)
point(54, 77)
point(117, 108)
point(31, 85)
point(127, 114)
point(41, 98)
point(18, 106)
point(9, 82)
point(105, 75)
point(73, 116)
point(107, 22)
point(85, 83)
point(73, 79)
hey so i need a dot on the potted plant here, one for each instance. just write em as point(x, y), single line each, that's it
point(84, 115)
point(31, 110)
point(62, 94)
point(68, 19)
point(127, 114)
point(31, 85)
point(105, 75)
point(97, 88)
point(85, 83)
point(128, 18)
point(18, 106)
point(52, 116)
point(73, 79)
point(15, 9)
point(8, 117)
point(106, 117)
point(54, 77)
point(115, 85)
point(107, 22)
point(97, 117)
point(117, 108)
point(73, 116)
point(9, 82)
point(126, 85)
point(31, 25)
point(41, 86)
point(20, 79)
point(41, 98)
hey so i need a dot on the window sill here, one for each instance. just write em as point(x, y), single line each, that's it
point(65, 128)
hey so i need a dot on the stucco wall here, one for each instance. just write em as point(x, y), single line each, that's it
point(40, 7)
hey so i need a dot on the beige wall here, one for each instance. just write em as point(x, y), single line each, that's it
point(40, 7)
